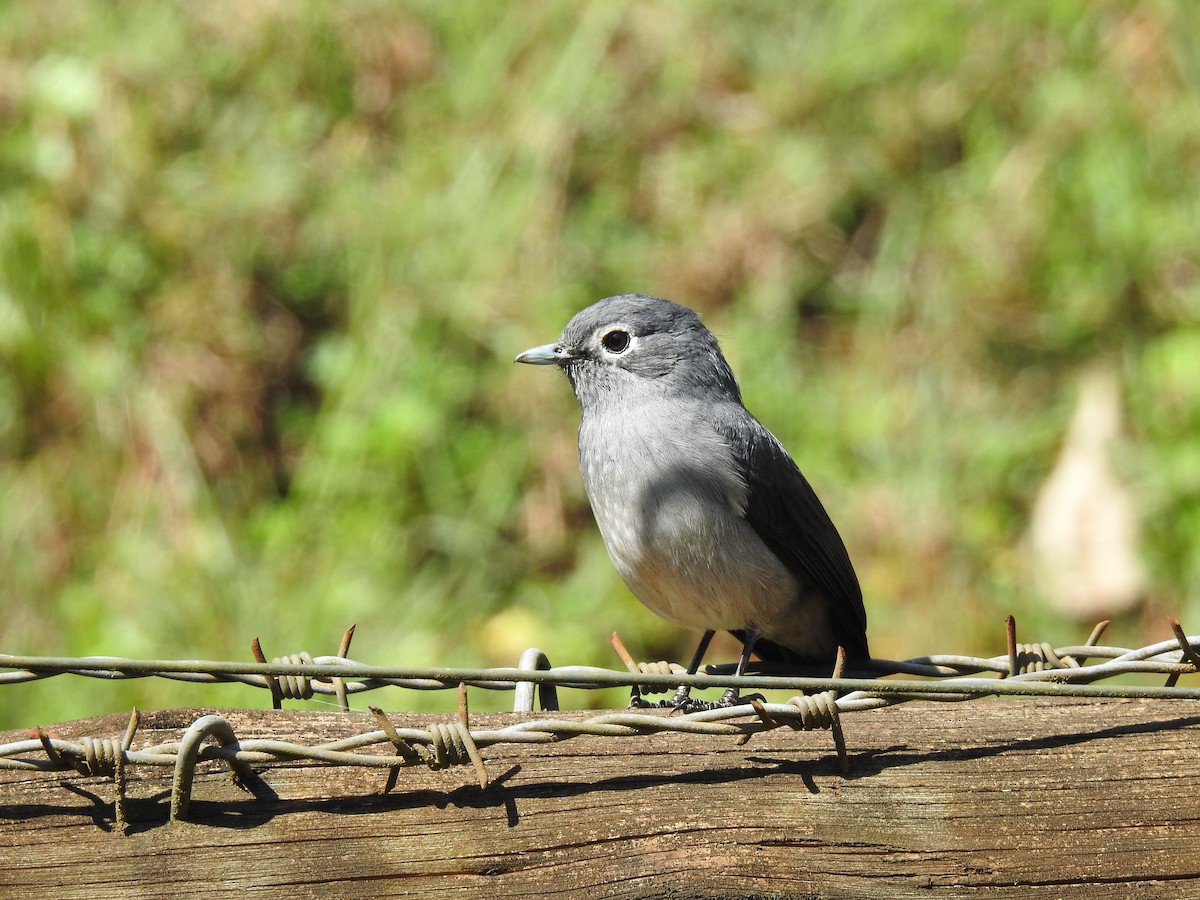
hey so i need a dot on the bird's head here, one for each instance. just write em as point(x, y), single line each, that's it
point(632, 346)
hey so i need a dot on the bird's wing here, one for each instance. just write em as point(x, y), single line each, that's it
point(783, 509)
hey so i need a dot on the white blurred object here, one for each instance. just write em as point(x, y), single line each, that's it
point(1085, 525)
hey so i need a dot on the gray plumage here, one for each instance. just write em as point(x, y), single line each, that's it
point(705, 516)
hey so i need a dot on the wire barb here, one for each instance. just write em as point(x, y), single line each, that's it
point(272, 683)
point(48, 745)
point(447, 745)
point(339, 686)
point(1010, 633)
point(1185, 645)
point(404, 749)
point(661, 667)
point(821, 711)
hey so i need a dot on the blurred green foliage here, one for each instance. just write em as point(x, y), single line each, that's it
point(264, 266)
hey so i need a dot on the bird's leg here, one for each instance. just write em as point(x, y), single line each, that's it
point(683, 695)
point(730, 698)
point(682, 702)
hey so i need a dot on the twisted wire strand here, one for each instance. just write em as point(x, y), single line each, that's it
point(296, 686)
point(98, 756)
point(1164, 657)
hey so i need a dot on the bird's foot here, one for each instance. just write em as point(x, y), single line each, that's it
point(685, 706)
point(731, 697)
point(681, 698)
point(637, 702)
point(683, 703)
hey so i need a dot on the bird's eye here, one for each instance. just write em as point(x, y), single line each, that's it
point(616, 341)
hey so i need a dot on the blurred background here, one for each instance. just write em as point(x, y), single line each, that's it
point(264, 266)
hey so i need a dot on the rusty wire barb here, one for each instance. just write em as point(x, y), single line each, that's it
point(1025, 670)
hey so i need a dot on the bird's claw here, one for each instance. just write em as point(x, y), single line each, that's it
point(685, 704)
point(682, 701)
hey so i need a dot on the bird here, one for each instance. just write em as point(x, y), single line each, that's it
point(705, 516)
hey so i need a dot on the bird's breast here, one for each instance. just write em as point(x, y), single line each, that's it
point(669, 500)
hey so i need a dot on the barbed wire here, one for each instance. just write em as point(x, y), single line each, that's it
point(1026, 670)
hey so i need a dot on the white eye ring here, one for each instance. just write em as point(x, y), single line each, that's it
point(616, 340)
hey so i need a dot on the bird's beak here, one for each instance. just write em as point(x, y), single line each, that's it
point(545, 355)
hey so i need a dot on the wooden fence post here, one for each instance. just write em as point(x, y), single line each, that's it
point(991, 798)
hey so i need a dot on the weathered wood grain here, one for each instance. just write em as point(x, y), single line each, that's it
point(983, 799)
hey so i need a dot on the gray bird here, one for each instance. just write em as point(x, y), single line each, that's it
point(705, 516)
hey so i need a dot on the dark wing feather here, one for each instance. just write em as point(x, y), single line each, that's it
point(785, 512)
